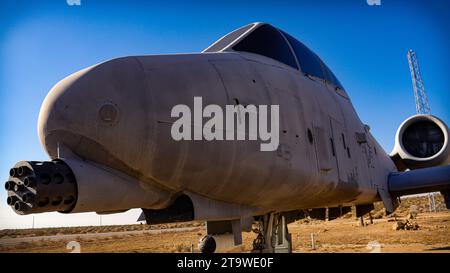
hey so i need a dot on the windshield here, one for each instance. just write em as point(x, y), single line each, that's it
point(268, 41)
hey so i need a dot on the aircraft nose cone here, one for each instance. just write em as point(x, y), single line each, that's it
point(94, 112)
point(56, 114)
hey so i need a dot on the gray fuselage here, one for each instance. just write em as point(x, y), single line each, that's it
point(341, 164)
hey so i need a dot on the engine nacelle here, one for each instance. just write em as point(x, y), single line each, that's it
point(421, 141)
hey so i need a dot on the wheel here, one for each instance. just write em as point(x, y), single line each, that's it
point(207, 244)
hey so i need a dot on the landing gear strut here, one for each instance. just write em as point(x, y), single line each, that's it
point(273, 235)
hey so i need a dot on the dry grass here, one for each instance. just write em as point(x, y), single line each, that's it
point(18, 233)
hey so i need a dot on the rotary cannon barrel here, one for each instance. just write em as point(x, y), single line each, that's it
point(35, 187)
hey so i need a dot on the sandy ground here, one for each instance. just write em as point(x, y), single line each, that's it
point(341, 235)
point(348, 236)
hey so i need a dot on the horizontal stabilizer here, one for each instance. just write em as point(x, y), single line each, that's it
point(420, 181)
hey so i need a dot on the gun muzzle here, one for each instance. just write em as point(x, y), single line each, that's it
point(35, 187)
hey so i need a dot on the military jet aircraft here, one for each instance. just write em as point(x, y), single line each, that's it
point(108, 130)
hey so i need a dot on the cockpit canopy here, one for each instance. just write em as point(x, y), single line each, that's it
point(268, 41)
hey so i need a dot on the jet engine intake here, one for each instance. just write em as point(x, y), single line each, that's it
point(421, 141)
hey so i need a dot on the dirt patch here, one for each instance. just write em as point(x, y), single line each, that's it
point(341, 235)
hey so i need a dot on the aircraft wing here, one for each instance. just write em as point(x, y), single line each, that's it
point(424, 180)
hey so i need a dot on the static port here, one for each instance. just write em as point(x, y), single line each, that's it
point(29, 181)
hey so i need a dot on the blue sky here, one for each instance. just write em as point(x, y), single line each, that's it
point(42, 42)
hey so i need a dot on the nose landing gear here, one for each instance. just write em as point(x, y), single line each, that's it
point(273, 235)
point(271, 229)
